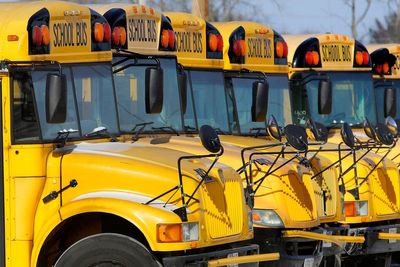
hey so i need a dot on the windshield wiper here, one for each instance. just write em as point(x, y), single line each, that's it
point(219, 131)
point(257, 131)
point(165, 129)
point(62, 137)
point(190, 129)
point(140, 127)
point(100, 131)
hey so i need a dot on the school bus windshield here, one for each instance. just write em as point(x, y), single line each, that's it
point(278, 101)
point(353, 100)
point(90, 103)
point(130, 85)
point(210, 106)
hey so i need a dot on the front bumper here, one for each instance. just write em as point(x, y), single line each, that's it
point(378, 239)
point(248, 255)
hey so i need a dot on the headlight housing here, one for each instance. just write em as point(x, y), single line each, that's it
point(178, 232)
point(266, 218)
point(356, 208)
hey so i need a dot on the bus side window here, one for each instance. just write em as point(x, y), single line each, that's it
point(25, 125)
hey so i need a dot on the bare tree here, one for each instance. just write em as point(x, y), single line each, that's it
point(355, 21)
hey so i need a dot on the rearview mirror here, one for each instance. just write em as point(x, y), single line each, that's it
point(56, 98)
point(324, 97)
point(392, 126)
point(384, 135)
point(182, 85)
point(318, 130)
point(209, 138)
point(154, 90)
point(390, 102)
point(296, 137)
point(260, 101)
point(347, 135)
point(273, 128)
point(369, 130)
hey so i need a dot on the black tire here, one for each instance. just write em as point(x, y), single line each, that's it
point(106, 249)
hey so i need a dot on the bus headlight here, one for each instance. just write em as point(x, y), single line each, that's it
point(178, 232)
point(190, 231)
point(356, 208)
point(267, 218)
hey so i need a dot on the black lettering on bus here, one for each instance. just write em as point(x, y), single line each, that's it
point(197, 43)
point(267, 48)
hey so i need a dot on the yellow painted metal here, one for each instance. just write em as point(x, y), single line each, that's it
point(388, 236)
point(244, 259)
point(336, 239)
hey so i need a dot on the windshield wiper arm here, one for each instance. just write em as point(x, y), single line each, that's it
point(258, 131)
point(165, 129)
point(140, 127)
point(62, 137)
point(190, 129)
point(102, 132)
point(219, 131)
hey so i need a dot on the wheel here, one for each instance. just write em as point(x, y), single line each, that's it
point(106, 250)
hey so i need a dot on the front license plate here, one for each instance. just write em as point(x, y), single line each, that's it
point(232, 255)
point(309, 262)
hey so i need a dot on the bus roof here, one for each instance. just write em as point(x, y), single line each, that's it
point(331, 52)
point(66, 42)
point(192, 41)
point(260, 45)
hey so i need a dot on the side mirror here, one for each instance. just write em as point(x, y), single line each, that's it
point(318, 130)
point(260, 101)
point(56, 98)
point(209, 138)
point(296, 137)
point(384, 135)
point(324, 97)
point(347, 135)
point(369, 130)
point(154, 90)
point(182, 85)
point(273, 128)
point(392, 126)
point(390, 102)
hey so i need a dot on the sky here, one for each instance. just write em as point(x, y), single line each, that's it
point(320, 16)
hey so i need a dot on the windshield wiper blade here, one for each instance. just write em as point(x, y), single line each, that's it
point(190, 129)
point(100, 131)
point(165, 129)
point(140, 127)
point(258, 131)
point(219, 131)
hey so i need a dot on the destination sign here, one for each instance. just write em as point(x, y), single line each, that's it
point(336, 52)
point(189, 42)
point(259, 48)
point(67, 34)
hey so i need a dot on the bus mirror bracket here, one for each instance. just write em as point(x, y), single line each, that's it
point(390, 102)
point(154, 94)
point(56, 98)
point(259, 101)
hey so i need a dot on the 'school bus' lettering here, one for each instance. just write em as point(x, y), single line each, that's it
point(336, 53)
point(70, 34)
point(189, 42)
point(142, 30)
point(259, 48)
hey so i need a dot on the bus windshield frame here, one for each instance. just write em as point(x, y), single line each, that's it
point(352, 95)
point(130, 94)
point(90, 103)
point(379, 86)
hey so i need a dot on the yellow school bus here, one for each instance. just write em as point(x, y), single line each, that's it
point(72, 195)
point(374, 182)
